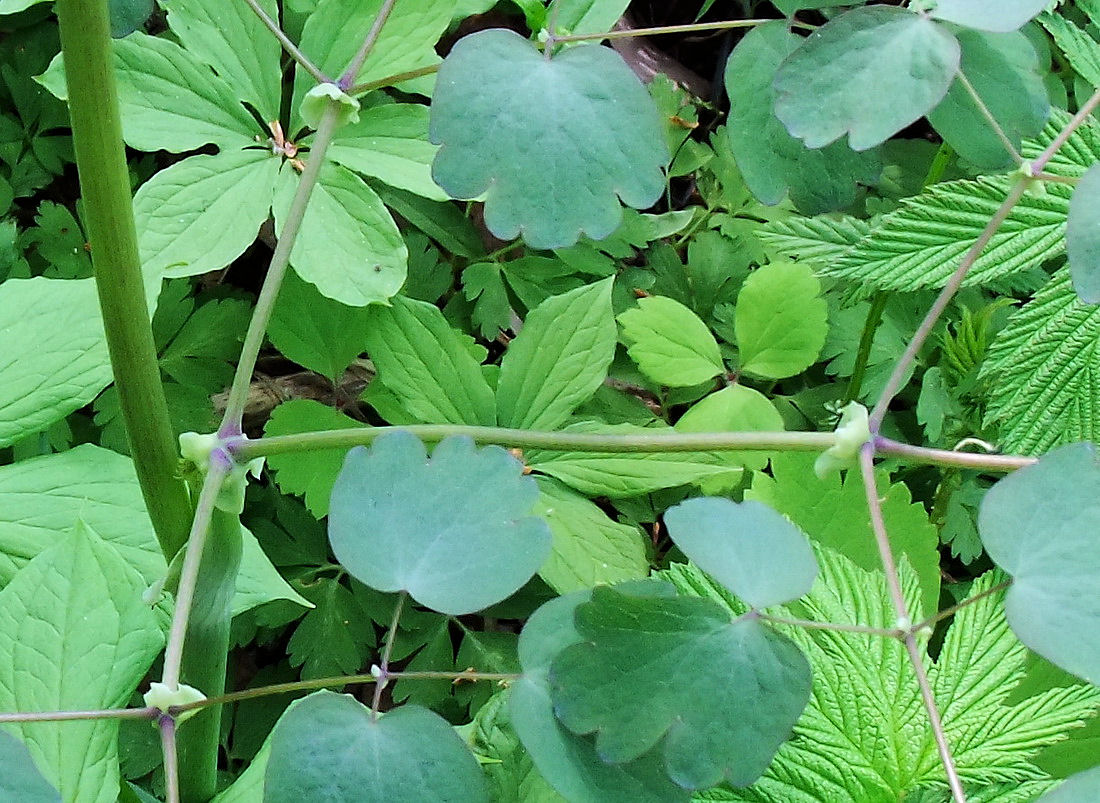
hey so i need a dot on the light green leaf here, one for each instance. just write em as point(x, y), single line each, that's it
point(258, 581)
point(231, 39)
point(15, 6)
point(1004, 70)
point(734, 409)
point(309, 474)
point(771, 161)
point(249, 786)
point(348, 245)
point(55, 352)
point(558, 359)
point(588, 548)
point(517, 127)
point(867, 73)
point(1083, 236)
point(780, 320)
point(988, 15)
point(453, 547)
point(318, 99)
point(315, 331)
point(20, 780)
point(390, 142)
point(752, 550)
point(669, 342)
point(50, 660)
point(1081, 50)
point(202, 213)
point(1039, 525)
point(671, 682)
point(588, 16)
point(426, 364)
point(818, 240)
point(328, 746)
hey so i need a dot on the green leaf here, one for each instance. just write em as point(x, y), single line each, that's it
point(588, 16)
point(517, 127)
point(558, 359)
point(51, 660)
point(1079, 788)
point(1039, 525)
point(443, 222)
point(780, 320)
point(670, 683)
point(1042, 368)
point(128, 15)
point(735, 408)
point(988, 15)
point(771, 161)
point(335, 637)
point(314, 331)
point(1004, 70)
point(867, 73)
point(202, 352)
point(232, 40)
point(426, 364)
point(669, 342)
point(310, 474)
point(453, 547)
point(258, 581)
point(1081, 50)
point(348, 245)
point(55, 352)
point(390, 142)
point(1083, 236)
point(202, 213)
point(755, 552)
point(818, 239)
point(19, 778)
point(328, 746)
point(587, 548)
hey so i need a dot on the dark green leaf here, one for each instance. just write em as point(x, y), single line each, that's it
point(335, 637)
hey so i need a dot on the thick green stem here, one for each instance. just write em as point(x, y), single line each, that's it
point(866, 341)
point(105, 187)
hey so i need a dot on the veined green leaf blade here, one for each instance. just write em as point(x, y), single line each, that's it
point(670, 343)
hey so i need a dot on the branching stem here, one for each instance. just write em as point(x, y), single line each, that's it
point(292, 49)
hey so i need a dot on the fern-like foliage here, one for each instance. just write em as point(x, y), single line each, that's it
point(817, 240)
point(1043, 370)
point(864, 735)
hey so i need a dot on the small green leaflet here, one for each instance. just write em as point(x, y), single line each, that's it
point(669, 342)
point(1083, 236)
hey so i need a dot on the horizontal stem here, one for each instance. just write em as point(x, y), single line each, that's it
point(629, 33)
point(149, 712)
point(945, 457)
point(809, 624)
point(966, 603)
point(390, 80)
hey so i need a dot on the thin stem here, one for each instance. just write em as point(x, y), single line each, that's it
point(265, 304)
point(1075, 122)
point(67, 716)
point(630, 33)
point(292, 49)
point(809, 624)
point(105, 188)
point(167, 726)
point(350, 74)
point(866, 341)
point(945, 457)
point(958, 794)
point(387, 651)
point(989, 118)
point(390, 80)
point(951, 611)
point(1071, 181)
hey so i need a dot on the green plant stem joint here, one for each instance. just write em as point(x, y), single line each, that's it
point(214, 449)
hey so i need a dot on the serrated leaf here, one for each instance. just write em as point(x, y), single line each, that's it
point(867, 73)
point(1080, 49)
point(348, 245)
point(817, 239)
point(780, 320)
point(1042, 369)
point(587, 547)
point(459, 559)
point(771, 161)
point(328, 746)
point(50, 660)
point(425, 363)
point(19, 778)
point(755, 552)
point(558, 359)
point(335, 637)
point(669, 343)
point(200, 214)
point(988, 15)
point(504, 113)
point(1038, 525)
point(55, 352)
point(669, 684)
point(1083, 236)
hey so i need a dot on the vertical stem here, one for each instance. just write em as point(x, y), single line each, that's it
point(105, 186)
point(866, 341)
point(387, 651)
point(167, 727)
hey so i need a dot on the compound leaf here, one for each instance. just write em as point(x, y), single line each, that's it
point(780, 320)
point(517, 127)
point(457, 528)
point(670, 343)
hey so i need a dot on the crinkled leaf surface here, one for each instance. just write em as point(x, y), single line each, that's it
point(51, 660)
point(20, 779)
point(719, 696)
point(520, 128)
point(1083, 236)
point(780, 320)
point(867, 73)
point(988, 15)
point(773, 162)
point(1040, 526)
point(457, 528)
point(327, 747)
point(53, 352)
point(670, 343)
point(754, 551)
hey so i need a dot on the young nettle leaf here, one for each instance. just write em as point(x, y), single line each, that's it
point(867, 73)
point(1083, 236)
point(1040, 525)
point(19, 778)
point(773, 162)
point(451, 544)
point(517, 126)
point(752, 550)
point(718, 696)
point(328, 746)
point(999, 16)
point(669, 342)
